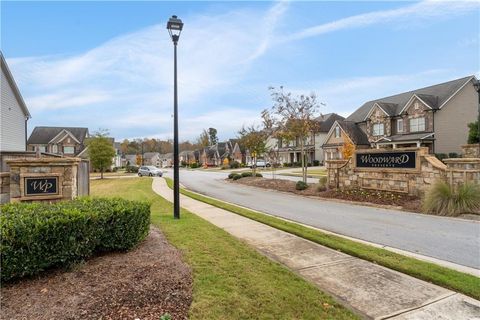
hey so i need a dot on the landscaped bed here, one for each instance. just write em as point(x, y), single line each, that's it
point(145, 283)
point(400, 200)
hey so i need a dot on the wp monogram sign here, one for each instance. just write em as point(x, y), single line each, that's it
point(41, 186)
point(400, 160)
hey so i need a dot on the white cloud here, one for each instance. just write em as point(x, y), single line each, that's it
point(425, 10)
point(131, 75)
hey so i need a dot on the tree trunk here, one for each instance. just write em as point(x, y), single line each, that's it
point(304, 171)
point(101, 173)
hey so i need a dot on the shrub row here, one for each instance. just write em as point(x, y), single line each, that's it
point(236, 176)
point(36, 237)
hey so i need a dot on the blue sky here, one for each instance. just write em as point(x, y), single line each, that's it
point(110, 64)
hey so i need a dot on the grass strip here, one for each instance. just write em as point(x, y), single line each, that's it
point(230, 279)
point(442, 276)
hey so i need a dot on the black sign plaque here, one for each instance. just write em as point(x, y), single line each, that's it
point(393, 160)
point(41, 186)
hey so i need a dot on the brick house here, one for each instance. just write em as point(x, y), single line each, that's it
point(435, 117)
point(67, 141)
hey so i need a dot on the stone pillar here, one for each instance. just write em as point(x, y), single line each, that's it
point(44, 179)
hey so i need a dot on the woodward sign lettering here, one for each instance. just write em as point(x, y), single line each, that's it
point(401, 160)
point(41, 186)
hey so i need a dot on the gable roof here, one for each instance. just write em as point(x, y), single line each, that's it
point(150, 155)
point(43, 135)
point(327, 120)
point(14, 87)
point(435, 96)
point(354, 132)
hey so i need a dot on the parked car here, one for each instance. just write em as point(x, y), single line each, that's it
point(260, 164)
point(149, 171)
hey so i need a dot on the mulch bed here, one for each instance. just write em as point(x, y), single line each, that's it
point(405, 202)
point(144, 283)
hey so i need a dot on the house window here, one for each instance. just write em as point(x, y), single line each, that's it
point(42, 148)
point(400, 125)
point(378, 129)
point(417, 124)
point(69, 150)
point(337, 132)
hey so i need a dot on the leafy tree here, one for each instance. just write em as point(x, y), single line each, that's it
point(348, 149)
point(138, 160)
point(101, 151)
point(254, 140)
point(203, 140)
point(212, 134)
point(473, 133)
point(293, 118)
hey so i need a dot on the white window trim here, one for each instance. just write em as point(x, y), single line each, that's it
point(377, 133)
point(399, 127)
point(417, 125)
point(338, 134)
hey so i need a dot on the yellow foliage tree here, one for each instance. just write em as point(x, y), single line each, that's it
point(348, 149)
point(138, 160)
point(226, 162)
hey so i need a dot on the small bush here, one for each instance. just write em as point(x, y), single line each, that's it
point(247, 174)
point(444, 200)
point(234, 165)
point(36, 237)
point(194, 165)
point(322, 184)
point(258, 175)
point(453, 155)
point(231, 175)
point(441, 156)
point(316, 163)
point(237, 176)
point(115, 169)
point(131, 169)
point(301, 185)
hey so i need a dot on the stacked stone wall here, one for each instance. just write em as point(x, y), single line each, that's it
point(343, 174)
point(65, 169)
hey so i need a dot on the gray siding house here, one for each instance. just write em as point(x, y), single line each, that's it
point(435, 117)
point(14, 113)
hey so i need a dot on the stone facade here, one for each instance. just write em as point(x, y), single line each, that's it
point(378, 116)
point(62, 169)
point(343, 174)
point(4, 187)
point(471, 150)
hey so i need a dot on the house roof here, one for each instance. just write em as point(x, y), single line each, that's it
point(435, 96)
point(149, 155)
point(327, 120)
point(14, 87)
point(43, 135)
point(354, 132)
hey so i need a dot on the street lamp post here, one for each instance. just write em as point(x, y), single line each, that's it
point(174, 26)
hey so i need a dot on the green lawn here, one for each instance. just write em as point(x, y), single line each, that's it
point(445, 277)
point(231, 280)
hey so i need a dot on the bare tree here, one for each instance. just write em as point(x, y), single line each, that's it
point(293, 118)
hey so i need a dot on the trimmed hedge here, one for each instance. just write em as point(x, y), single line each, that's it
point(36, 237)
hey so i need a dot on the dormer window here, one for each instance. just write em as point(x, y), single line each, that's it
point(378, 129)
point(337, 132)
point(417, 124)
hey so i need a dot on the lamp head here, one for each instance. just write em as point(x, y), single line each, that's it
point(174, 27)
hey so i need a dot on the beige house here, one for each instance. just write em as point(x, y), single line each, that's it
point(290, 151)
point(435, 117)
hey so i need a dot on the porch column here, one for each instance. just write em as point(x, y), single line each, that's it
point(418, 144)
point(394, 146)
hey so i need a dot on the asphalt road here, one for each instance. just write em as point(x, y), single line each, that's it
point(449, 239)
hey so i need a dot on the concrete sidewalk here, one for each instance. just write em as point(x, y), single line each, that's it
point(373, 291)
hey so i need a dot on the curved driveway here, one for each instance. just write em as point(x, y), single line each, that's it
point(449, 239)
